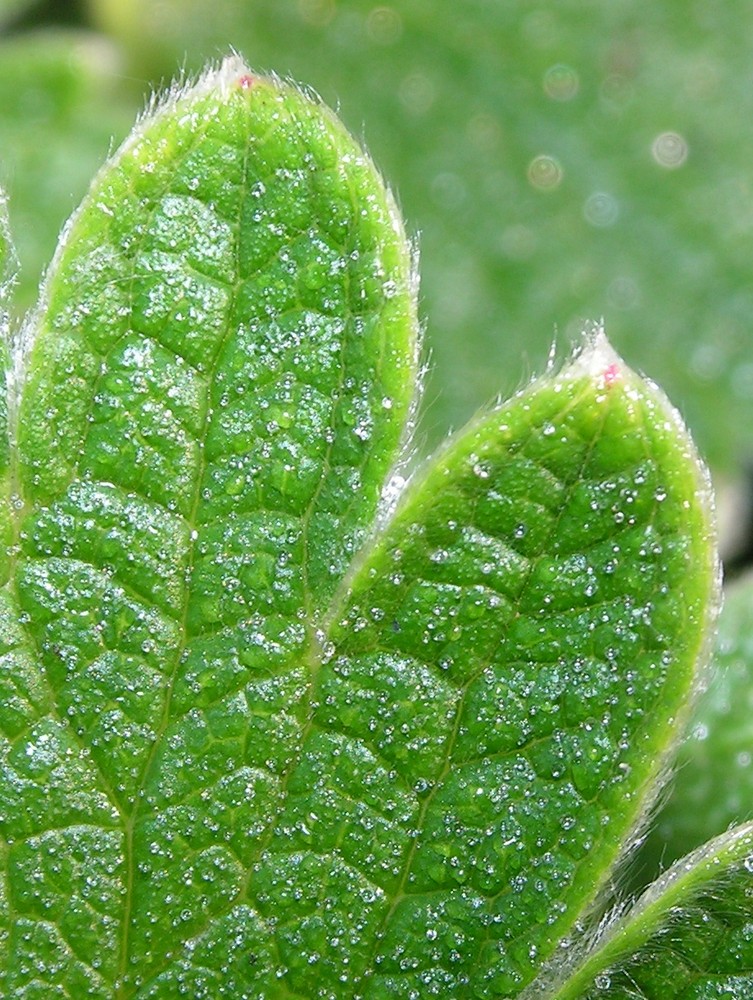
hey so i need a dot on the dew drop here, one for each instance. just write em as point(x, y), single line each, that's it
point(601, 209)
point(545, 172)
point(561, 82)
point(669, 150)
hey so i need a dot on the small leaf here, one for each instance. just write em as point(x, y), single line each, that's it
point(689, 936)
point(527, 668)
point(713, 785)
point(271, 730)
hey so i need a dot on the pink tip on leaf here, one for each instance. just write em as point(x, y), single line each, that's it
point(246, 81)
point(610, 375)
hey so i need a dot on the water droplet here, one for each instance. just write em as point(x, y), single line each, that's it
point(384, 25)
point(545, 172)
point(670, 150)
point(561, 82)
point(417, 93)
point(601, 209)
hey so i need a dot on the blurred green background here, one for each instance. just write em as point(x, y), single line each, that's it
point(557, 162)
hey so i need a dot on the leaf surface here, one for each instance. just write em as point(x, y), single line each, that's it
point(222, 369)
point(523, 594)
point(269, 730)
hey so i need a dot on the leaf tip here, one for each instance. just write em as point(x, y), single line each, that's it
point(234, 73)
point(597, 359)
point(231, 75)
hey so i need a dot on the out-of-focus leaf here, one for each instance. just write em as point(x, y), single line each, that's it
point(560, 161)
point(11, 9)
point(713, 785)
point(60, 111)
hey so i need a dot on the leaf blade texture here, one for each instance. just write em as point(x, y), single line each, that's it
point(240, 241)
point(267, 737)
point(535, 533)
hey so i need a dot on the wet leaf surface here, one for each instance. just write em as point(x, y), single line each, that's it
point(276, 724)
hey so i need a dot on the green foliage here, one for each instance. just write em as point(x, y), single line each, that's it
point(689, 937)
point(274, 723)
point(713, 786)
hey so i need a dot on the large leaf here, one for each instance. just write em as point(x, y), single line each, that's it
point(271, 729)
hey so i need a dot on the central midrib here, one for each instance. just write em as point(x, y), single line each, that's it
point(401, 893)
point(318, 625)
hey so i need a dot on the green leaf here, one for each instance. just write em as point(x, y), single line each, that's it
point(689, 936)
point(274, 724)
point(223, 365)
point(530, 569)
